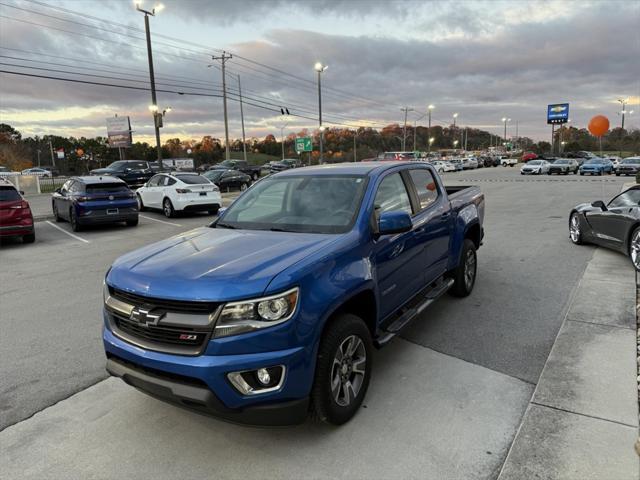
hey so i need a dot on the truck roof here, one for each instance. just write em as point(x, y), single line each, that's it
point(94, 179)
point(359, 168)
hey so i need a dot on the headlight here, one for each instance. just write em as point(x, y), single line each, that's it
point(250, 315)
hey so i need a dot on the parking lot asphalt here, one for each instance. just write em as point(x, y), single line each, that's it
point(501, 335)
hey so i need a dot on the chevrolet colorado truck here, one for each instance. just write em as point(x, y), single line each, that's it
point(273, 311)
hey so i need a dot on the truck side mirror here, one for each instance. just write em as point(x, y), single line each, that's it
point(599, 204)
point(396, 221)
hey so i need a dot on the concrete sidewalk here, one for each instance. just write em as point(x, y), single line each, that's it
point(582, 421)
point(41, 204)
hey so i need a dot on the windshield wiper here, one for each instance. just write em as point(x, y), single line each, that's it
point(225, 225)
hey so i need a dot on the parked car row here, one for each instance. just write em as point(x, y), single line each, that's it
point(37, 171)
point(565, 166)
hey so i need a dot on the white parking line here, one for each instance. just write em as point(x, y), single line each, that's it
point(68, 233)
point(160, 221)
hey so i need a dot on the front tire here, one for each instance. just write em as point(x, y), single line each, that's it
point(140, 203)
point(634, 248)
point(56, 214)
point(575, 230)
point(255, 177)
point(464, 275)
point(343, 370)
point(167, 208)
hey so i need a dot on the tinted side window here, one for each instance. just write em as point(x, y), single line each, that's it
point(630, 198)
point(171, 181)
point(426, 187)
point(392, 195)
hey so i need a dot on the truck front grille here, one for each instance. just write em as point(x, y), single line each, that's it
point(181, 306)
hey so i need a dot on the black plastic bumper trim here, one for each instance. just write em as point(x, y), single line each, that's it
point(202, 400)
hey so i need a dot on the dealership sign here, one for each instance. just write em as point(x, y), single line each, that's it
point(558, 113)
point(119, 132)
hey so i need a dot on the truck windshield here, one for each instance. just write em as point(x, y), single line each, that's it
point(305, 204)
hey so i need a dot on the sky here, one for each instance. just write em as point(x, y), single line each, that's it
point(484, 60)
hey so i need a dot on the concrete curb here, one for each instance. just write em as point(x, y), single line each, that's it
point(582, 420)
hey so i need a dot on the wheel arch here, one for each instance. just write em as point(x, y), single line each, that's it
point(361, 304)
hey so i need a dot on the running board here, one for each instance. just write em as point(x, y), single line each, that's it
point(428, 297)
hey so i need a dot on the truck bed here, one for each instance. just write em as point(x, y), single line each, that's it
point(461, 196)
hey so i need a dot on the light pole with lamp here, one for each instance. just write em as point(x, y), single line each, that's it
point(320, 69)
point(429, 108)
point(157, 121)
point(505, 120)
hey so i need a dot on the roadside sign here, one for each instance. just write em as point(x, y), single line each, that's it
point(119, 132)
point(303, 144)
point(60, 153)
point(557, 113)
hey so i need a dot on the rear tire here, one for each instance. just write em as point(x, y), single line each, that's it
point(634, 249)
point(132, 223)
point(29, 238)
point(244, 186)
point(167, 208)
point(56, 215)
point(575, 230)
point(73, 220)
point(464, 275)
point(255, 177)
point(343, 370)
point(214, 211)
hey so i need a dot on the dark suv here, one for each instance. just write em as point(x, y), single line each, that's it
point(95, 200)
point(134, 172)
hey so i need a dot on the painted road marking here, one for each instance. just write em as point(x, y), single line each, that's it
point(160, 221)
point(68, 233)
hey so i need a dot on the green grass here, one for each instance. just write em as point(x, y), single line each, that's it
point(254, 158)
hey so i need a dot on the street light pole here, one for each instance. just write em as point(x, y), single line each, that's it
point(320, 68)
point(429, 108)
point(156, 121)
point(355, 152)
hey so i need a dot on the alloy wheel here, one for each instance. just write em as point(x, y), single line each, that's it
point(574, 228)
point(634, 249)
point(469, 269)
point(348, 370)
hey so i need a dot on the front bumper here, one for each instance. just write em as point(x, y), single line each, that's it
point(190, 394)
point(200, 382)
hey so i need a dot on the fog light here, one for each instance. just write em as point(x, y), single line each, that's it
point(263, 376)
point(261, 380)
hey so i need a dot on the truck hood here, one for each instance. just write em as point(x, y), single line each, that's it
point(212, 264)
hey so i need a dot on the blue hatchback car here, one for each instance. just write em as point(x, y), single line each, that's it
point(95, 200)
point(596, 166)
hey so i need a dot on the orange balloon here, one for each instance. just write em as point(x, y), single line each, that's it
point(599, 125)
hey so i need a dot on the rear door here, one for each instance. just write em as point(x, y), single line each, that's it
point(398, 257)
point(431, 223)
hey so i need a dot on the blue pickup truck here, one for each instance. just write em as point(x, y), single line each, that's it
point(272, 312)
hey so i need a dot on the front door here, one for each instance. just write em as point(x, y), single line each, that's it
point(398, 256)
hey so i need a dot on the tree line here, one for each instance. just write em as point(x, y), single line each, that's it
point(82, 154)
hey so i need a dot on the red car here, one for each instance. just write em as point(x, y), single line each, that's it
point(526, 156)
point(16, 219)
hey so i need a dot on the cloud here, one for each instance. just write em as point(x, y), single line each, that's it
point(479, 63)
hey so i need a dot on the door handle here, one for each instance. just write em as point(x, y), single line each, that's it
point(444, 216)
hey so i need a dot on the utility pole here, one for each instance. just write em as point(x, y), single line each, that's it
point(223, 59)
point(157, 121)
point(465, 138)
point(38, 151)
point(517, 138)
point(406, 110)
point(53, 161)
point(355, 152)
point(244, 142)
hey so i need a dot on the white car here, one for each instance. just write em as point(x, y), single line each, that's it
point(441, 166)
point(179, 192)
point(535, 167)
point(508, 162)
point(40, 172)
